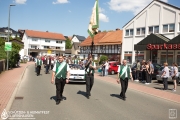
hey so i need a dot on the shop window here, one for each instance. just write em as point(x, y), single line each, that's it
point(128, 58)
point(178, 60)
point(169, 59)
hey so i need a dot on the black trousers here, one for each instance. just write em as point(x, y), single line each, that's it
point(137, 74)
point(124, 86)
point(60, 83)
point(89, 83)
point(47, 69)
point(165, 83)
point(148, 79)
point(38, 69)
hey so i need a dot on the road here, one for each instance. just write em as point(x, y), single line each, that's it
point(104, 104)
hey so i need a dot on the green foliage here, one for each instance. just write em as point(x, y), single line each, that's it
point(103, 58)
point(68, 44)
point(13, 55)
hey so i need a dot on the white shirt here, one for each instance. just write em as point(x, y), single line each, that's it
point(174, 69)
point(54, 68)
point(126, 75)
point(106, 65)
point(166, 70)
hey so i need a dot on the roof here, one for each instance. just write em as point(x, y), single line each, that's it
point(80, 38)
point(76, 45)
point(17, 41)
point(3, 30)
point(112, 37)
point(97, 37)
point(68, 37)
point(105, 38)
point(175, 40)
point(46, 35)
point(151, 39)
point(175, 7)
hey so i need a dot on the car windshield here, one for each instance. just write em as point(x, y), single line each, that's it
point(76, 67)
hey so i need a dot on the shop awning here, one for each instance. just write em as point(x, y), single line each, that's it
point(175, 40)
point(151, 39)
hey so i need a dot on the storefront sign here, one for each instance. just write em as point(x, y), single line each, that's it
point(163, 46)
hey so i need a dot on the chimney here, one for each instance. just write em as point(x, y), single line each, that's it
point(117, 29)
point(46, 31)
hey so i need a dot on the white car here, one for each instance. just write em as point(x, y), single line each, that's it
point(77, 73)
point(158, 76)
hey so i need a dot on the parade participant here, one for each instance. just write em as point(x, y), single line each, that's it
point(76, 61)
point(61, 76)
point(38, 64)
point(47, 64)
point(90, 66)
point(124, 74)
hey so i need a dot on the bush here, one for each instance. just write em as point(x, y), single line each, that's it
point(103, 58)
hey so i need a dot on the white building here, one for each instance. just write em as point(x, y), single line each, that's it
point(12, 33)
point(42, 43)
point(157, 18)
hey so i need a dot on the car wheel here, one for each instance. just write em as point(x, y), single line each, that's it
point(112, 72)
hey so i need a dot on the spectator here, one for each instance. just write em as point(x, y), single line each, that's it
point(165, 76)
point(174, 75)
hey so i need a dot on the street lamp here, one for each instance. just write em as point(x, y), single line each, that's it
point(8, 32)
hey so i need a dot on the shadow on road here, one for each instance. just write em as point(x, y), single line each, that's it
point(82, 93)
point(55, 98)
point(115, 95)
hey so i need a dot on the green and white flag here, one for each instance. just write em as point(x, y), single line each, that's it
point(94, 21)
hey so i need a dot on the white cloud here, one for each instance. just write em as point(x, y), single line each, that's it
point(103, 17)
point(61, 2)
point(20, 1)
point(134, 6)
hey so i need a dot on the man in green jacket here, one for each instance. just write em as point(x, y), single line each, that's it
point(124, 74)
point(38, 64)
point(61, 76)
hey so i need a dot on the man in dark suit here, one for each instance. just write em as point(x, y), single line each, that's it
point(47, 63)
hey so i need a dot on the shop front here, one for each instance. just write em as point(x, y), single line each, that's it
point(159, 49)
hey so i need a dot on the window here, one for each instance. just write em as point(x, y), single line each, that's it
point(46, 47)
point(150, 30)
point(34, 39)
point(143, 31)
point(33, 46)
point(138, 31)
point(169, 28)
point(57, 47)
point(156, 29)
point(57, 41)
point(47, 41)
point(129, 32)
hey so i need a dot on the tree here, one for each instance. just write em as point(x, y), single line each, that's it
point(68, 44)
point(103, 58)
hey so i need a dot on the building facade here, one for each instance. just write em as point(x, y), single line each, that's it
point(43, 43)
point(157, 18)
point(12, 33)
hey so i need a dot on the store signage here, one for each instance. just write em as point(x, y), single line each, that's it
point(163, 46)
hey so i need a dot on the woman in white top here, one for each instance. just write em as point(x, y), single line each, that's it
point(165, 76)
point(174, 75)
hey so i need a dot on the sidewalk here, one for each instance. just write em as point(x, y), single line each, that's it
point(8, 82)
point(144, 89)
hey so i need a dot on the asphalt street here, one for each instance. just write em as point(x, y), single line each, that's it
point(36, 94)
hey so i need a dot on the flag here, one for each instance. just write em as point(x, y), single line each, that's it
point(94, 21)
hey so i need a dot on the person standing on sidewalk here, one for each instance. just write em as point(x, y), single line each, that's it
point(38, 64)
point(90, 66)
point(165, 76)
point(61, 75)
point(138, 68)
point(124, 74)
point(174, 75)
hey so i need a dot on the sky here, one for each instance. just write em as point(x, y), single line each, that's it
point(70, 17)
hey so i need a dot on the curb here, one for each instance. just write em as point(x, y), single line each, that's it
point(9, 104)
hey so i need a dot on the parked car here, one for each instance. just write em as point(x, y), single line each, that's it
point(113, 67)
point(158, 77)
point(156, 68)
point(77, 73)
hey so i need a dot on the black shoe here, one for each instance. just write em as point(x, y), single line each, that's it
point(87, 96)
point(90, 94)
point(57, 102)
point(124, 99)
